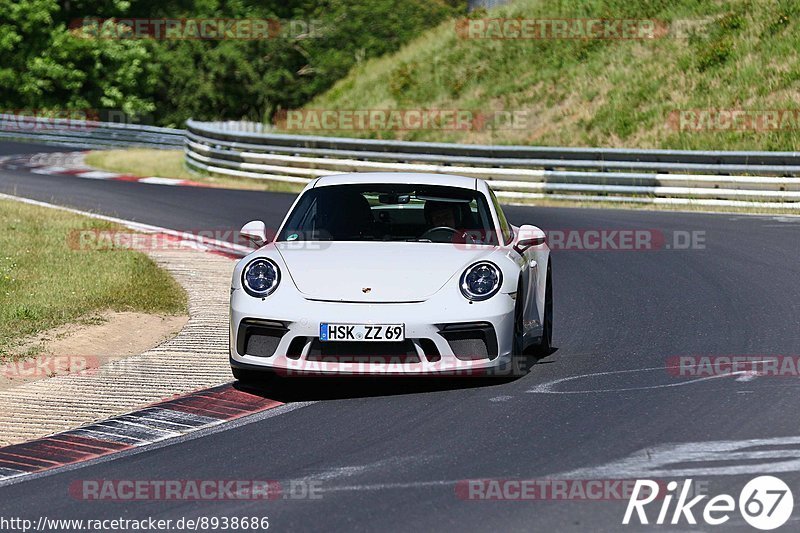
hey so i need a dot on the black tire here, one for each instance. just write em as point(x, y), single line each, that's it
point(545, 345)
point(519, 361)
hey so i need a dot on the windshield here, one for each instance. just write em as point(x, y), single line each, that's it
point(390, 212)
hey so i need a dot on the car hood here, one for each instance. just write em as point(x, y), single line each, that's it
point(374, 271)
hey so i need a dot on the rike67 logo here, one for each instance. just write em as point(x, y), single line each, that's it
point(765, 503)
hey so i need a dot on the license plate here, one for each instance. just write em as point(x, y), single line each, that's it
point(362, 332)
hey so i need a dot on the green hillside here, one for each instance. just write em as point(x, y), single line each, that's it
point(597, 92)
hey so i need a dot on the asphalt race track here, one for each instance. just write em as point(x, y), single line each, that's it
point(388, 455)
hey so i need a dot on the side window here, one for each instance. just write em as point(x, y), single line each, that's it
point(505, 227)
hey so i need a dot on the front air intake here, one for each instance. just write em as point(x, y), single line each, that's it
point(259, 338)
point(470, 341)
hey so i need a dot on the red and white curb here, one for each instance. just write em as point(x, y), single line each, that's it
point(165, 420)
point(72, 164)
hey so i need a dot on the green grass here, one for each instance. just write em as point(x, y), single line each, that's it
point(46, 282)
point(170, 164)
point(595, 92)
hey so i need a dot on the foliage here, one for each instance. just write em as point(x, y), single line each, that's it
point(45, 63)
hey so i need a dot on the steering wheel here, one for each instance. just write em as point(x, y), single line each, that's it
point(444, 234)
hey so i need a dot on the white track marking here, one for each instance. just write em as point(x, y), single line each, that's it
point(547, 387)
point(690, 457)
point(161, 181)
point(97, 175)
point(387, 486)
point(500, 398)
point(354, 470)
point(48, 170)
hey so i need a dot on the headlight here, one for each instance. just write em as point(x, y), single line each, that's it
point(261, 277)
point(481, 281)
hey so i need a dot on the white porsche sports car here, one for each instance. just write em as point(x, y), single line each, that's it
point(390, 273)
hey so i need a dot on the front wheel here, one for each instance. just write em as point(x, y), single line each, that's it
point(519, 361)
point(544, 346)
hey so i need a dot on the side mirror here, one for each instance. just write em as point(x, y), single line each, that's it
point(527, 237)
point(255, 231)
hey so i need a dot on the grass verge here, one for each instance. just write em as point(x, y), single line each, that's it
point(170, 164)
point(45, 282)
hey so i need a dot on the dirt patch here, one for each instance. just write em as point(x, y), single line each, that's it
point(82, 347)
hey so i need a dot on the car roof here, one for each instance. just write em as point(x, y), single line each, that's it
point(446, 180)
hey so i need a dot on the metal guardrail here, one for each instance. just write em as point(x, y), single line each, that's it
point(87, 134)
point(732, 179)
point(259, 134)
point(245, 149)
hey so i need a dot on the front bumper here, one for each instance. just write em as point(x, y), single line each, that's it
point(445, 335)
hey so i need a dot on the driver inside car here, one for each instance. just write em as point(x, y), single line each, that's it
point(438, 214)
